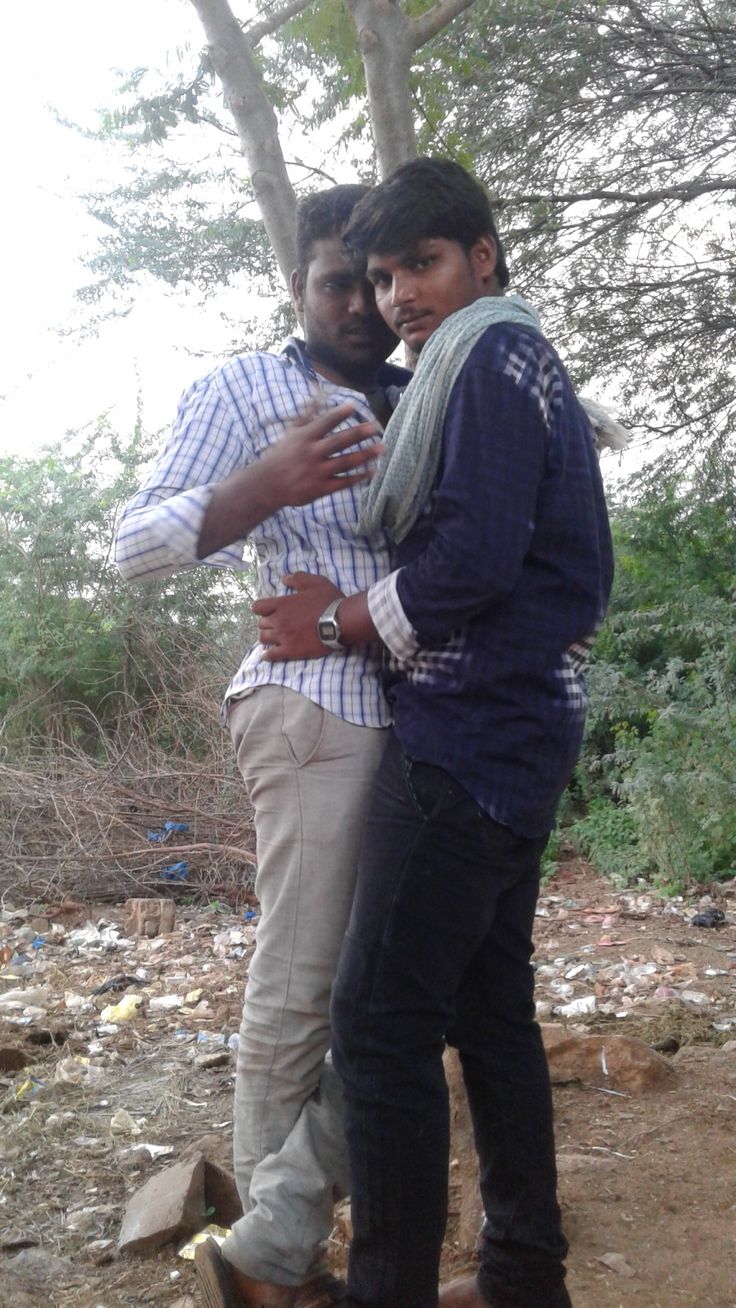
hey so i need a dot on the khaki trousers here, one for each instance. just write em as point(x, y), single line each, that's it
point(309, 776)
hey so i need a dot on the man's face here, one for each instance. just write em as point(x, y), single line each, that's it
point(417, 289)
point(345, 335)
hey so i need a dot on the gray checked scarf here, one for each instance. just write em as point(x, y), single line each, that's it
point(413, 434)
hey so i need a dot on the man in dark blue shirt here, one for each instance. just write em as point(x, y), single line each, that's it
point(502, 570)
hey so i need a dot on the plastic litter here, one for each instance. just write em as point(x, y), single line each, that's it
point(153, 1150)
point(217, 1233)
point(121, 1123)
point(120, 982)
point(578, 1007)
point(175, 872)
point(125, 1011)
point(32, 1013)
point(29, 1087)
point(712, 917)
point(695, 997)
point(160, 834)
point(110, 938)
point(15, 1001)
point(84, 937)
point(77, 1003)
point(164, 1003)
point(78, 1071)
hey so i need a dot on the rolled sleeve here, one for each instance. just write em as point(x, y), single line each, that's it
point(389, 618)
point(158, 533)
point(158, 540)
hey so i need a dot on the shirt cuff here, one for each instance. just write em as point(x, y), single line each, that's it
point(389, 618)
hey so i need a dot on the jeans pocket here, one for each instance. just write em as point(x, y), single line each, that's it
point(431, 789)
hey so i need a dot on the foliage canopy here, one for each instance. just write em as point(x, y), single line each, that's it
point(81, 648)
point(605, 131)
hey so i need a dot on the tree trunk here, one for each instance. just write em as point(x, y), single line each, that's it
point(387, 39)
point(386, 47)
point(232, 58)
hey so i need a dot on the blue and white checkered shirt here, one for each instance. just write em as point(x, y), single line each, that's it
point(225, 421)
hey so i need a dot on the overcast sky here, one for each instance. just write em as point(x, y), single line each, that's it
point(62, 58)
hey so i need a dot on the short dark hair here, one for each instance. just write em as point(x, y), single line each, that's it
point(422, 199)
point(324, 214)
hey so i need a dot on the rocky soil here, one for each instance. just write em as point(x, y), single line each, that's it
point(116, 1060)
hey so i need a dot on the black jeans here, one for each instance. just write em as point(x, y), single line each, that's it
point(438, 950)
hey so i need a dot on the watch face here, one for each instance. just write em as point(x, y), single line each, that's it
point(327, 629)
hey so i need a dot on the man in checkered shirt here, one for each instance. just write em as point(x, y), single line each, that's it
point(488, 613)
point(245, 463)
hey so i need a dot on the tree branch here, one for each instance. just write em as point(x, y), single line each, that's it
point(271, 24)
point(427, 25)
point(233, 60)
point(688, 191)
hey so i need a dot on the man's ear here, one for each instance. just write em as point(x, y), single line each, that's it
point(297, 294)
point(483, 256)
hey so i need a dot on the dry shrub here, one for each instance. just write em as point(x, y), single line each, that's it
point(76, 813)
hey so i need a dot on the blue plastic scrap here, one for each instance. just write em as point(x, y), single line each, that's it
point(175, 872)
point(166, 830)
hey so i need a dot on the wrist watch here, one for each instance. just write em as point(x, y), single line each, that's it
point(328, 627)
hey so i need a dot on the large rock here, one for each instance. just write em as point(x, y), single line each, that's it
point(150, 917)
point(221, 1194)
point(221, 1197)
point(612, 1062)
point(167, 1207)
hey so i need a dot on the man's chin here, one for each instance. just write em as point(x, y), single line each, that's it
point(366, 350)
point(415, 341)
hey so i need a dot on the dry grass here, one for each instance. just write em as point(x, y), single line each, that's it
point(74, 821)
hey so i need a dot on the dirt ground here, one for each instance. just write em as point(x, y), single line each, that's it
point(650, 1180)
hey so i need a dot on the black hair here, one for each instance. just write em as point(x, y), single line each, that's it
point(324, 214)
point(422, 199)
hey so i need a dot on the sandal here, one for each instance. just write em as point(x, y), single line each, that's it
point(214, 1278)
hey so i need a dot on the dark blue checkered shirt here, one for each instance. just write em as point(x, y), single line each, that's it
point(501, 585)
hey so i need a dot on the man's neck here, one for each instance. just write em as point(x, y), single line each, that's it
point(365, 382)
point(356, 381)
